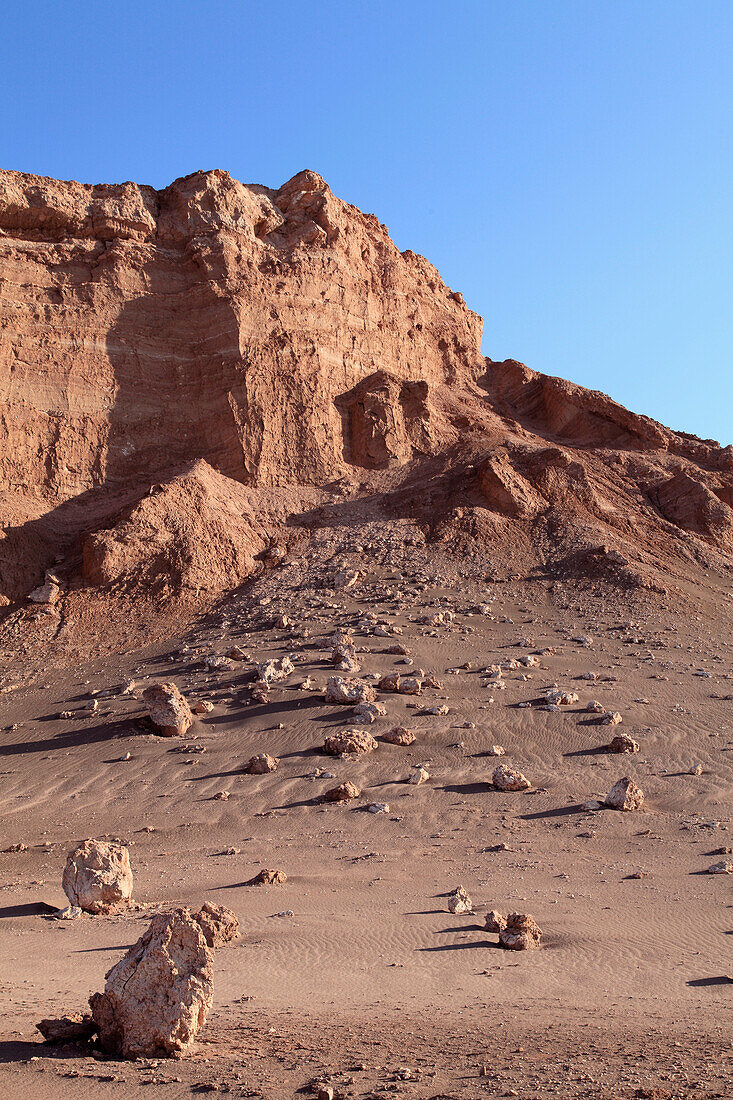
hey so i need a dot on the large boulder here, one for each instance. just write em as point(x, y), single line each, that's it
point(169, 711)
point(97, 876)
point(158, 996)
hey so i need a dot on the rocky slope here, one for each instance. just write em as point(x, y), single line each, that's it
point(195, 377)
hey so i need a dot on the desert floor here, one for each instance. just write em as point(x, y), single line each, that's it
point(353, 972)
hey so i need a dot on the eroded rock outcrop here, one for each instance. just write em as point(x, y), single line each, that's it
point(189, 371)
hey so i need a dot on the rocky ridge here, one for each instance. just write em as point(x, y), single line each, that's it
point(198, 379)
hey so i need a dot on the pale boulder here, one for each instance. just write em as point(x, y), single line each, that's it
point(97, 876)
point(169, 712)
point(159, 994)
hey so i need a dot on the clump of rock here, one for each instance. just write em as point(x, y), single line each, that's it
point(344, 792)
point(169, 712)
point(368, 712)
point(75, 1027)
point(398, 736)
point(266, 877)
point(561, 698)
point(418, 776)
point(625, 795)
point(505, 778)
point(159, 994)
point(622, 743)
point(97, 876)
point(357, 742)
point(522, 933)
point(261, 764)
point(495, 921)
point(219, 925)
point(459, 901)
point(345, 689)
point(274, 670)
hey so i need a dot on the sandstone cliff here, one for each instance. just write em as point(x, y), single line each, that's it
point(268, 361)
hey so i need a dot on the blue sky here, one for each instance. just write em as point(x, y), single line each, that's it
point(566, 164)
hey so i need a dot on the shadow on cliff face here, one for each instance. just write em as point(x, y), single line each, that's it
point(180, 380)
point(180, 395)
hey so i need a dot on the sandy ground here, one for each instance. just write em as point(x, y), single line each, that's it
point(369, 983)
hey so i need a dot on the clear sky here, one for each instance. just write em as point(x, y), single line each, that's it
point(566, 164)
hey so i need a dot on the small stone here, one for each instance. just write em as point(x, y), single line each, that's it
point(496, 750)
point(725, 867)
point(611, 719)
point(378, 807)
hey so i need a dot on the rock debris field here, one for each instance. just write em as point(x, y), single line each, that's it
point(344, 894)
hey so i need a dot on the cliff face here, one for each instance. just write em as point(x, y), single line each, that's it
point(278, 339)
point(211, 320)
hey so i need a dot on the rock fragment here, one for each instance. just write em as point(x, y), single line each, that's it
point(344, 792)
point(398, 736)
point(341, 689)
point(725, 867)
point(505, 778)
point(418, 776)
point(219, 924)
point(261, 763)
point(357, 742)
point(495, 921)
point(267, 877)
point(623, 743)
point(75, 1027)
point(459, 901)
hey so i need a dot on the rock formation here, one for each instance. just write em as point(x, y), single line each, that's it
point(188, 373)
